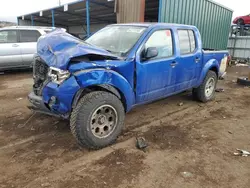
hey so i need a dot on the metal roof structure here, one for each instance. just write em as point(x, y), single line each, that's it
point(86, 16)
point(80, 12)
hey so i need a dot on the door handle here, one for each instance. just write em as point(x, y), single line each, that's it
point(15, 45)
point(197, 60)
point(173, 64)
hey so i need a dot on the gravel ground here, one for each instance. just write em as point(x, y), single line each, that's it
point(190, 145)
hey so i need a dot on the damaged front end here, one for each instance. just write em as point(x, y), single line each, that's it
point(53, 90)
point(40, 75)
point(56, 83)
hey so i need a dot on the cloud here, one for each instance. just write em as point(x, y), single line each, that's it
point(240, 7)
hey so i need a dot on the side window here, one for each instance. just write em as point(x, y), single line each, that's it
point(187, 41)
point(162, 40)
point(192, 40)
point(29, 35)
point(9, 36)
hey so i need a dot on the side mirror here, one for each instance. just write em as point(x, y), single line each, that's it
point(151, 52)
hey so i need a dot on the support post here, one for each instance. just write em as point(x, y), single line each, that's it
point(32, 20)
point(159, 12)
point(142, 11)
point(88, 18)
point(53, 17)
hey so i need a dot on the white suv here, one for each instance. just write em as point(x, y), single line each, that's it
point(18, 45)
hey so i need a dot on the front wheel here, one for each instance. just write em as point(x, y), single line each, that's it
point(206, 91)
point(97, 120)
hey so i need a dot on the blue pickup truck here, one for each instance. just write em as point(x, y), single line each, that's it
point(93, 83)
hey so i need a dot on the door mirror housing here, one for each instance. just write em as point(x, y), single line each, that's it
point(150, 52)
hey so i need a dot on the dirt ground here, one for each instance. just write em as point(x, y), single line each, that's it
point(190, 145)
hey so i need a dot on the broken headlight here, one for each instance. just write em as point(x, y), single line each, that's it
point(58, 76)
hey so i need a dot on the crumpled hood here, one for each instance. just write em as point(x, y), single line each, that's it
point(57, 48)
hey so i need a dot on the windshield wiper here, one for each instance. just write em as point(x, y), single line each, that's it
point(109, 51)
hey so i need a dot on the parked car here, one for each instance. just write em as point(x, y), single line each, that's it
point(242, 20)
point(238, 30)
point(18, 45)
point(94, 83)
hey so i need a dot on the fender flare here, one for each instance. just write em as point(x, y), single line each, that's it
point(212, 64)
point(108, 80)
point(83, 91)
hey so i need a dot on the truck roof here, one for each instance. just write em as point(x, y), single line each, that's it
point(155, 24)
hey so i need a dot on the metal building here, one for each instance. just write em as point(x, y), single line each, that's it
point(212, 19)
point(84, 17)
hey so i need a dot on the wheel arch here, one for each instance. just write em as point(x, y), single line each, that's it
point(242, 21)
point(104, 87)
point(211, 65)
point(214, 69)
point(105, 80)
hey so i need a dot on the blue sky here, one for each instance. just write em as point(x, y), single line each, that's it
point(10, 9)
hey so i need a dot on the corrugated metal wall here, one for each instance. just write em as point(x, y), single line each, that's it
point(239, 47)
point(130, 11)
point(212, 19)
point(28, 23)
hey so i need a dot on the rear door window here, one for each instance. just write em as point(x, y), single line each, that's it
point(192, 40)
point(187, 41)
point(8, 36)
point(29, 35)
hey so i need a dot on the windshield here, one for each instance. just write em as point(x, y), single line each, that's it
point(116, 39)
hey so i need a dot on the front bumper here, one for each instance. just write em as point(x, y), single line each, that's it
point(38, 105)
point(62, 95)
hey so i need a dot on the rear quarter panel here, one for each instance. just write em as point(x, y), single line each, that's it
point(213, 60)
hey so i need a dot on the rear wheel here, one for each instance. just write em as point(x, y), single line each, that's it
point(206, 91)
point(240, 22)
point(97, 120)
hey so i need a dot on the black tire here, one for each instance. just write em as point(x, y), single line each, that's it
point(240, 22)
point(81, 118)
point(199, 93)
point(243, 81)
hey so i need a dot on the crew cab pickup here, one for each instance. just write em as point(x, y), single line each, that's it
point(93, 83)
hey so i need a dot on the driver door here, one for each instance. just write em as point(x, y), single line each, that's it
point(155, 77)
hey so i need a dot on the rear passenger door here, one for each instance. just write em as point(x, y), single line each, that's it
point(189, 60)
point(28, 43)
point(10, 52)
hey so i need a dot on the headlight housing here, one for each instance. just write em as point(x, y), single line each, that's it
point(58, 76)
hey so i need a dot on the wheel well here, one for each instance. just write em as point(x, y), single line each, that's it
point(107, 88)
point(242, 21)
point(215, 70)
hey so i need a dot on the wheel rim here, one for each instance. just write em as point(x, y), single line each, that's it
point(103, 121)
point(209, 88)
